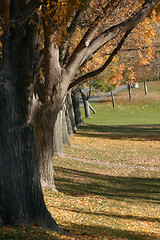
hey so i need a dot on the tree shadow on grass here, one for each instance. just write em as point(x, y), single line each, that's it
point(140, 132)
point(123, 216)
point(82, 183)
point(111, 233)
point(79, 183)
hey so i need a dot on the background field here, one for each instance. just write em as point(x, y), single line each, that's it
point(109, 181)
point(144, 109)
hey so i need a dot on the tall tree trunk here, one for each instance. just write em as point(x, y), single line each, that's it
point(71, 116)
point(113, 102)
point(76, 107)
point(51, 94)
point(86, 104)
point(130, 93)
point(145, 88)
point(65, 135)
point(58, 149)
point(21, 198)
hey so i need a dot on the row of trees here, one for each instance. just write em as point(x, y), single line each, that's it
point(45, 45)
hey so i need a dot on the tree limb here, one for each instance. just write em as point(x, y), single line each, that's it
point(116, 30)
point(71, 29)
point(101, 69)
point(89, 46)
point(79, 53)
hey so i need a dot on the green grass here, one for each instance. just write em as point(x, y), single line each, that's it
point(144, 109)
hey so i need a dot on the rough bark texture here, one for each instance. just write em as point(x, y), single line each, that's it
point(21, 198)
point(43, 121)
point(70, 114)
point(76, 107)
point(57, 136)
point(51, 94)
point(65, 135)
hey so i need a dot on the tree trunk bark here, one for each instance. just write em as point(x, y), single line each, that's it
point(130, 93)
point(145, 88)
point(76, 107)
point(58, 149)
point(71, 116)
point(46, 123)
point(43, 121)
point(21, 198)
point(65, 135)
point(113, 102)
point(86, 104)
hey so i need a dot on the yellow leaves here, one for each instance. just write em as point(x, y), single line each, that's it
point(59, 13)
point(131, 74)
point(147, 36)
point(117, 74)
point(144, 60)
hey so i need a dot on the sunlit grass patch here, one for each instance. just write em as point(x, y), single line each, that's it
point(144, 109)
point(94, 205)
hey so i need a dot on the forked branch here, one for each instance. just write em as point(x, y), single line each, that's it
point(105, 65)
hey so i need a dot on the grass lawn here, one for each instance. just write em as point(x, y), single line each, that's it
point(144, 109)
point(109, 181)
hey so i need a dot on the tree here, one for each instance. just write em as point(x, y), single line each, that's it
point(139, 55)
point(21, 197)
point(76, 107)
point(63, 59)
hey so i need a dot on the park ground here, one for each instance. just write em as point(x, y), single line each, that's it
point(109, 181)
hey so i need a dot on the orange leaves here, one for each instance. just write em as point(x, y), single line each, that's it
point(131, 73)
point(58, 14)
point(143, 60)
point(117, 74)
point(147, 34)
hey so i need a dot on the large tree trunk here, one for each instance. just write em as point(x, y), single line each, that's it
point(44, 119)
point(51, 94)
point(21, 198)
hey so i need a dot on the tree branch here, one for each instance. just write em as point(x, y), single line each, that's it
point(71, 29)
point(89, 46)
point(116, 30)
point(101, 69)
point(79, 53)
